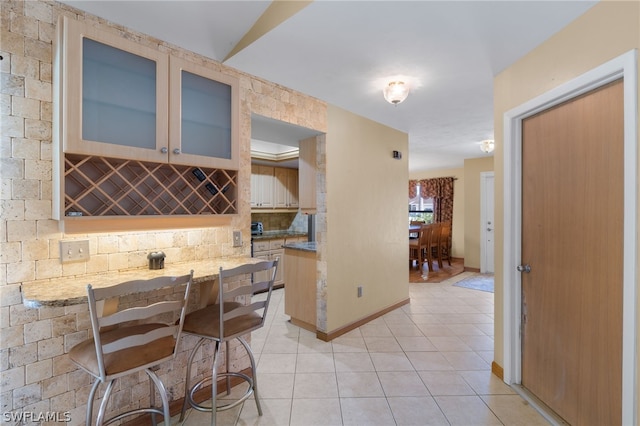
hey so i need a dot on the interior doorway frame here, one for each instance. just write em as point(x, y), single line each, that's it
point(484, 204)
point(624, 66)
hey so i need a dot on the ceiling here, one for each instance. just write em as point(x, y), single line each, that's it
point(345, 52)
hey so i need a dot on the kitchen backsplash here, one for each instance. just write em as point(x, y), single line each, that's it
point(294, 221)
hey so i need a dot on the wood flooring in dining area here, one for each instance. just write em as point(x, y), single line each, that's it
point(437, 275)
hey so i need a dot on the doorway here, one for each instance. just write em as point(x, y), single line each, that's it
point(625, 68)
point(487, 226)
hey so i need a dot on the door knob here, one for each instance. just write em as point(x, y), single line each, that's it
point(524, 268)
point(164, 150)
point(176, 151)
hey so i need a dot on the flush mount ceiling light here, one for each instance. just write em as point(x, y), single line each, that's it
point(487, 146)
point(396, 92)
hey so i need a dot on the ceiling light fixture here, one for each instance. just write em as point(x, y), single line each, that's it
point(487, 146)
point(396, 92)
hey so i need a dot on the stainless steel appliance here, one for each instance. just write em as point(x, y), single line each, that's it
point(311, 227)
point(256, 228)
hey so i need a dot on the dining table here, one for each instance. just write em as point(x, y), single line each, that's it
point(413, 229)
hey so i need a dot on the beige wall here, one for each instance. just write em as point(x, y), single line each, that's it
point(606, 31)
point(459, 210)
point(366, 218)
point(36, 373)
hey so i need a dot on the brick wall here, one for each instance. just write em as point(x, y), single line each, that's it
point(35, 372)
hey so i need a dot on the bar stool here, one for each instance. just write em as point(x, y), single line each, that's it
point(130, 339)
point(233, 321)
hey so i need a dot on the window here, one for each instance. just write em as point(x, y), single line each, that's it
point(420, 208)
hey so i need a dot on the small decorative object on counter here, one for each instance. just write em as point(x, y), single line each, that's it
point(156, 260)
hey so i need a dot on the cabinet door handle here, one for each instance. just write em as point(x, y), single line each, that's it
point(176, 151)
point(164, 150)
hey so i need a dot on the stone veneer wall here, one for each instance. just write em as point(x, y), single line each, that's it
point(321, 232)
point(35, 372)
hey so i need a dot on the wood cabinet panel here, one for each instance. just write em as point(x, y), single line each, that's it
point(286, 188)
point(262, 186)
point(300, 291)
point(307, 176)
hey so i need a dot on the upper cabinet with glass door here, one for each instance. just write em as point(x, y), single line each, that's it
point(203, 116)
point(121, 99)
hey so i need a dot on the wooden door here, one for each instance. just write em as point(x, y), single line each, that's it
point(572, 238)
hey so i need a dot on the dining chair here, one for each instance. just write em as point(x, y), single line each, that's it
point(241, 314)
point(435, 230)
point(444, 243)
point(418, 247)
point(131, 337)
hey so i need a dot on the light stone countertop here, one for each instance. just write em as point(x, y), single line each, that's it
point(310, 246)
point(272, 235)
point(67, 291)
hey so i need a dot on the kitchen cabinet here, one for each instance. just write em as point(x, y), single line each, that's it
point(307, 176)
point(262, 182)
point(270, 250)
point(139, 132)
point(203, 116)
point(274, 188)
point(286, 187)
point(113, 94)
point(117, 94)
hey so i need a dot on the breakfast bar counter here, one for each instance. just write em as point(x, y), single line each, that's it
point(67, 291)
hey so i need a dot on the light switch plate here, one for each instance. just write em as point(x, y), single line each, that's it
point(74, 251)
point(237, 238)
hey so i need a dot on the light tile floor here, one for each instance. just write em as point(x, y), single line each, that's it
point(427, 363)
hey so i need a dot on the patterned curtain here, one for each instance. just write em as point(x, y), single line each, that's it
point(413, 189)
point(441, 190)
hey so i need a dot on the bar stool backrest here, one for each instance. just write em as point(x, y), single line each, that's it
point(243, 313)
point(137, 326)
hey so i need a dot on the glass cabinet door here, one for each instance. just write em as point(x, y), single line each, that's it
point(115, 95)
point(118, 96)
point(204, 116)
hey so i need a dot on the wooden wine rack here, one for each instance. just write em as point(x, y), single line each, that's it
point(101, 186)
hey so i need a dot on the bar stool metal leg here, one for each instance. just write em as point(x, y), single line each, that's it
point(92, 395)
point(187, 393)
point(254, 373)
point(214, 383)
point(163, 394)
point(103, 405)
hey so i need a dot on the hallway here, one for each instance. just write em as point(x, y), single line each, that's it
point(427, 363)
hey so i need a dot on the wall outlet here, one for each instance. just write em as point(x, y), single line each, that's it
point(359, 291)
point(74, 251)
point(237, 238)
